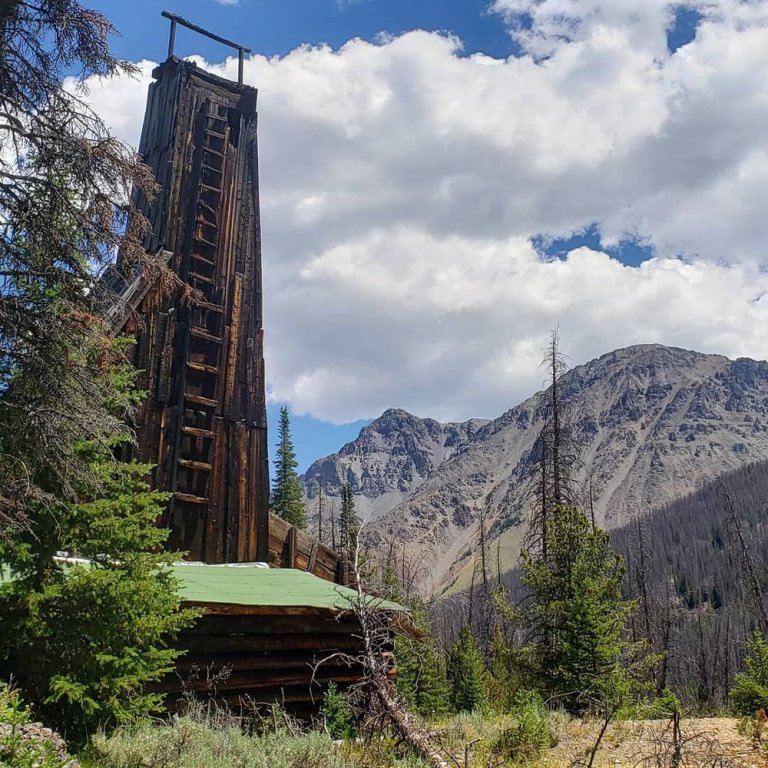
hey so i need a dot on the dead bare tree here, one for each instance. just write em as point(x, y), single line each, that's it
point(376, 687)
point(747, 558)
point(556, 453)
point(320, 512)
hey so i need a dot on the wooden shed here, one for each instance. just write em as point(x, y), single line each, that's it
point(263, 633)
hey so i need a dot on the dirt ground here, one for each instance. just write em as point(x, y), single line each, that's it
point(705, 743)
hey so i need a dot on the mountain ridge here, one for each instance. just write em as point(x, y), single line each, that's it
point(652, 422)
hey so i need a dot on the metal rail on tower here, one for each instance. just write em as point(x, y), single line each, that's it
point(175, 19)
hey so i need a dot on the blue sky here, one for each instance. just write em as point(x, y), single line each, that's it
point(430, 210)
point(275, 27)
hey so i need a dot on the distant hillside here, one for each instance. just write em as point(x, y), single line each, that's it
point(691, 540)
point(699, 610)
point(653, 423)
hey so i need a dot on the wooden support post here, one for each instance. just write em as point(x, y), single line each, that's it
point(291, 541)
point(312, 557)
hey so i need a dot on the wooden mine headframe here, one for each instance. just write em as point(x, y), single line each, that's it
point(203, 423)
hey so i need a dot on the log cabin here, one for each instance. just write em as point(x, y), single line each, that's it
point(267, 635)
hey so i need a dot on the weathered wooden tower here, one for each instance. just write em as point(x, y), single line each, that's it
point(203, 423)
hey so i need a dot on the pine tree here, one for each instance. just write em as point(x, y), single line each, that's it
point(286, 491)
point(348, 526)
point(556, 451)
point(467, 675)
point(750, 690)
point(421, 673)
point(83, 640)
point(67, 208)
point(576, 613)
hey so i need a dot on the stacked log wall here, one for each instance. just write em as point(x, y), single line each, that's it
point(290, 547)
point(244, 657)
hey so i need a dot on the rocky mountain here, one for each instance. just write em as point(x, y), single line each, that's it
point(651, 422)
point(387, 463)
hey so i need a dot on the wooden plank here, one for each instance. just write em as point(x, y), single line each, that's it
point(231, 609)
point(291, 547)
point(275, 624)
point(202, 367)
point(243, 489)
point(312, 558)
point(284, 641)
point(198, 466)
point(199, 333)
point(246, 699)
point(200, 400)
point(256, 681)
point(217, 511)
point(252, 661)
point(190, 499)
point(197, 432)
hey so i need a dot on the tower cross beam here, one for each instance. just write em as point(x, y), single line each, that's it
point(175, 19)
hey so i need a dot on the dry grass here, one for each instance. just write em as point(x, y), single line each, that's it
point(705, 743)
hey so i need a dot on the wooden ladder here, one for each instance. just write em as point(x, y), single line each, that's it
point(204, 357)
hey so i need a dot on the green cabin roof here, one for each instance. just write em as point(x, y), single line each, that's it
point(278, 587)
point(253, 585)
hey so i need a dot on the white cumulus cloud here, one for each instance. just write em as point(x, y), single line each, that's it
point(402, 186)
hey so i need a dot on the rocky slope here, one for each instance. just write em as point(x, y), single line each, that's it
point(651, 422)
point(387, 463)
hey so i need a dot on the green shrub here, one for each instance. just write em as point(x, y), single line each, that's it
point(421, 677)
point(663, 706)
point(199, 742)
point(83, 640)
point(337, 714)
point(750, 691)
point(18, 747)
point(531, 735)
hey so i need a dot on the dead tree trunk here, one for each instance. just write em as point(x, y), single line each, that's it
point(748, 562)
point(376, 672)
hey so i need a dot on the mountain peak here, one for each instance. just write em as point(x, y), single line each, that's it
point(652, 422)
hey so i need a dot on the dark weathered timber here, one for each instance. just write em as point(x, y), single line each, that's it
point(290, 547)
point(286, 657)
point(200, 347)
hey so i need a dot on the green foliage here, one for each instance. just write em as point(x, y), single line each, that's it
point(83, 638)
point(467, 675)
point(421, 676)
point(504, 677)
point(337, 714)
point(286, 490)
point(750, 689)
point(348, 526)
point(662, 707)
point(531, 734)
point(576, 615)
point(194, 742)
point(17, 750)
point(65, 213)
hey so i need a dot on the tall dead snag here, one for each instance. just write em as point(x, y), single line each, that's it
point(555, 453)
point(320, 513)
point(747, 559)
point(486, 619)
point(376, 635)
